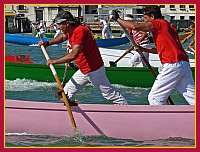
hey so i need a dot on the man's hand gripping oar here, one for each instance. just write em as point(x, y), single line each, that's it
point(116, 16)
point(65, 99)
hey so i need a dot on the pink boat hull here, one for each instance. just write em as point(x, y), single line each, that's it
point(124, 122)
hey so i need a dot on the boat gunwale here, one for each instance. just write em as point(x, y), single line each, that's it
point(35, 65)
point(55, 106)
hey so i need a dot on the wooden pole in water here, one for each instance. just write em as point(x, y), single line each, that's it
point(61, 88)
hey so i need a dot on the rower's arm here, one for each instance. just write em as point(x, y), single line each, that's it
point(59, 39)
point(68, 57)
point(145, 26)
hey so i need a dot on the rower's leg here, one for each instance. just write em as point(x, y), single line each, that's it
point(165, 82)
point(186, 85)
point(77, 81)
point(100, 81)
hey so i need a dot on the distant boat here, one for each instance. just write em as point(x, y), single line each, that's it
point(112, 41)
point(23, 39)
point(51, 35)
point(33, 41)
point(136, 122)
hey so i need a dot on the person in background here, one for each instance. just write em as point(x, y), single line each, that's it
point(86, 53)
point(110, 34)
point(141, 38)
point(56, 28)
point(45, 25)
point(41, 30)
point(175, 71)
point(106, 27)
point(34, 25)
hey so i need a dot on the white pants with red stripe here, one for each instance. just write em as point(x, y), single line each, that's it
point(173, 75)
point(99, 80)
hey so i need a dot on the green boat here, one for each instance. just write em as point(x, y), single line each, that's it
point(50, 35)
point(127, 76)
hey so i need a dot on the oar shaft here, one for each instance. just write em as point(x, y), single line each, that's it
point(120, 57)
point(47, 58)
point(65, 72)
point(65, 75)
point(148, 65)
point(192, 49)
point(131, 48)
point(61, 88)
point(66, 103)
point(144, 59)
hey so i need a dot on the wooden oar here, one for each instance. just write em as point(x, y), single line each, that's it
point(65, 75)
point(192, 49)
point(61, 88)
point(65, 72)
point(114, 63)
point(143, 57)
point(190, 52)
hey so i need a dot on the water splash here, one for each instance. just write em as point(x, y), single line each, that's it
point(27, 85)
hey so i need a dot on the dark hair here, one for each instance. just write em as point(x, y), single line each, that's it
point(65, 15)
point(75, 21)
point(152, 10)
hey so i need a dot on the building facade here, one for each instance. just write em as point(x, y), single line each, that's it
point(18, 18)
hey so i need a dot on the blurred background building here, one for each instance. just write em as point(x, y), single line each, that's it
point(18, 18)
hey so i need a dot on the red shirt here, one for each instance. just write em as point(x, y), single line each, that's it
point(167, 42)
point(89, 59)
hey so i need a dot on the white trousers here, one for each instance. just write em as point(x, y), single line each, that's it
point(172, 75)
point(99, 80)
point(136, 59)
point(106, 27)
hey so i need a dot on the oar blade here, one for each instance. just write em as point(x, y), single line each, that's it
point(112, 64)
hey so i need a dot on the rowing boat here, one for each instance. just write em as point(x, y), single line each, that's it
point(113, 54)
point(181, 36)
point(137, 122)
point(133, 77)
point(108, 55)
